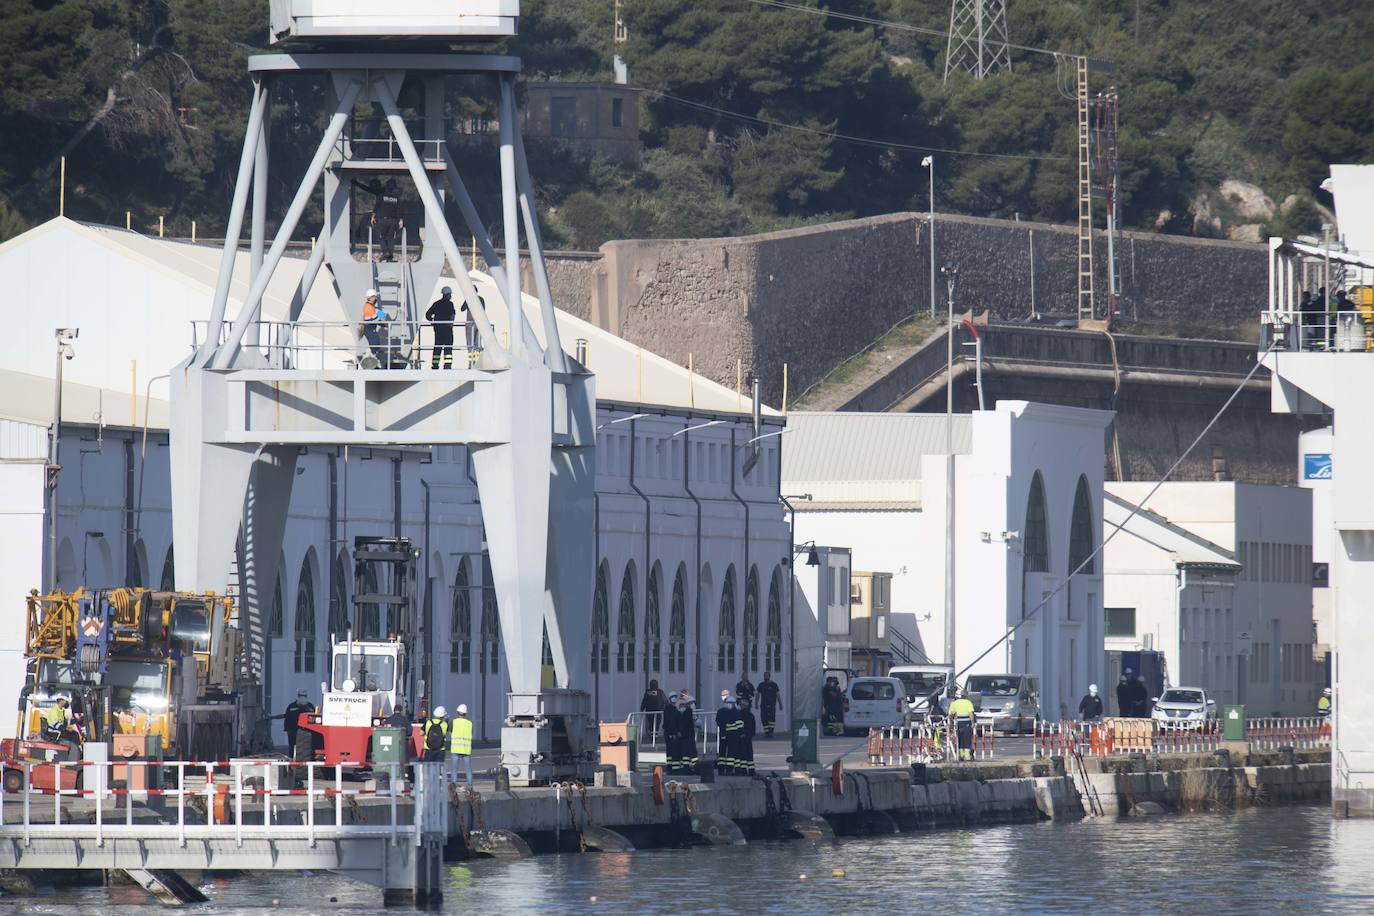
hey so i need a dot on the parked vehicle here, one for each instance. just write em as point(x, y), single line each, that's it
point(1007, 702)
point(874, 702)
point(1184, 707)
point(919, 682)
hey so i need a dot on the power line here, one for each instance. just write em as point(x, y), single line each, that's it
point(846, 138)
point(1136, 509)
point(890, 25)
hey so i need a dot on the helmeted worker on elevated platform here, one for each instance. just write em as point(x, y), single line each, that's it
point(461, 745)
point(1324, 703)
point(962, 712)
point(436, 732)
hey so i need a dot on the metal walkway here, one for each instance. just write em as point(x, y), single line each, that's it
point(232, 816)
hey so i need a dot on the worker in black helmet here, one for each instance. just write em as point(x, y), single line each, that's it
point(386, 214)
point(441, 316)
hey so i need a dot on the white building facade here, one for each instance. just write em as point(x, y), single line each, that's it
point(1028, 499)
point(1251, 641)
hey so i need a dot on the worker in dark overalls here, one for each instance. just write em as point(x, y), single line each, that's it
point(688, 756)
point(386, 214)
point(769, 701)
point(728, 726)
point(672, 741)
point(746, 741)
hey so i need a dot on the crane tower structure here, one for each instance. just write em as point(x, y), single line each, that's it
point(254, 392)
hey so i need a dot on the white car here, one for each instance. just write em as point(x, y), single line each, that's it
point(1184, 707)
point(874, 702)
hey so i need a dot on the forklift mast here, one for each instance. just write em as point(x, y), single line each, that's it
point(384, 577)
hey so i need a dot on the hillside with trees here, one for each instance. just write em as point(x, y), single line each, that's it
point(754, 116)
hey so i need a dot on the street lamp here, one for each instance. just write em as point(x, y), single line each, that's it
point(929, 163)
point(792, 597)
point(951, 273)
point(64, 352)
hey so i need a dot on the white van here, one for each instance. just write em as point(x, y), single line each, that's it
point(874, 702)
point(1007, 702)
point(920, 681)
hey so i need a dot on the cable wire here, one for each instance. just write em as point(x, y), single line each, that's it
point(847, 138)
point(1138, 507)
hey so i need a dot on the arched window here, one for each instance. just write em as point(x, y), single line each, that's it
point(460, 623)
point(1036, 536)
point(138, 565)
point(725, 649)
point(274, 620)
point(305, 618)
point(773, 650)
point(601, 623)
point(625, 622)
point(169, 572)
point(751, 620)
point(338, 598)
point(652, 645)
point(677, 623)
point(1082, 540)
point(490, 660)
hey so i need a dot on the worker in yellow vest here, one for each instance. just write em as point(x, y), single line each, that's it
point(436, 735)
point(962, 712)
point(1324, 704)
point(461, 745)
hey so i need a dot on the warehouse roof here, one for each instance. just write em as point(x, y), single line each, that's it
point(864, 461)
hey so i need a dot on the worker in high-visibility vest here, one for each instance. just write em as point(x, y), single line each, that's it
point(961, 711)
point(1324, 704)
point(56, 721)
point(460, 743)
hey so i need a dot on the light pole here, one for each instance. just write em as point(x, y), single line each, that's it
point(792, 599)
point(929, 163)
point(951, 272)
point(64, 351)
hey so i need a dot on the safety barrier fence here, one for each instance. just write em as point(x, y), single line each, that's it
point(1343, 331)
point(108, 791)
point(927, 742)
point(1301, 732)
point(1132, 736)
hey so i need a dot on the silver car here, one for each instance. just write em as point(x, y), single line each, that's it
point(1007, 702)
point(1184, 708)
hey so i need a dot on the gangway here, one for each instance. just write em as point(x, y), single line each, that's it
point(245, 402)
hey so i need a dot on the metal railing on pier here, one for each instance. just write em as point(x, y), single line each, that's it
point(236, 800)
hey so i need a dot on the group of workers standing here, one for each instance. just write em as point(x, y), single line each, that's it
point(736, 725)
point(442, 739)
point(442, 316)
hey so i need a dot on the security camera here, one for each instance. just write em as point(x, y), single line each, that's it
point(68, 353)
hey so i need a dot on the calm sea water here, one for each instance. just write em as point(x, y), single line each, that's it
point(1256, 861)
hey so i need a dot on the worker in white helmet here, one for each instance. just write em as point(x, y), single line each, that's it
point(1090, 707)
point(461, 745)
point(375, 327)
point(435, 733)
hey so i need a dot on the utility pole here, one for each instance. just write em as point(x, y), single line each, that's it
point(929, 162)
point(951, 272)
point(64, 352)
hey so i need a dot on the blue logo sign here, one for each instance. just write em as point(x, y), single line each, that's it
point(1316, 466)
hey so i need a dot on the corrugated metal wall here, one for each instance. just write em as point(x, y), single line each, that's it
point(22, 441)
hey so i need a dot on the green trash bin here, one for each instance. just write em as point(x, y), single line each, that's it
point(388, 746)
point(804, 746)
point(1233, 723)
